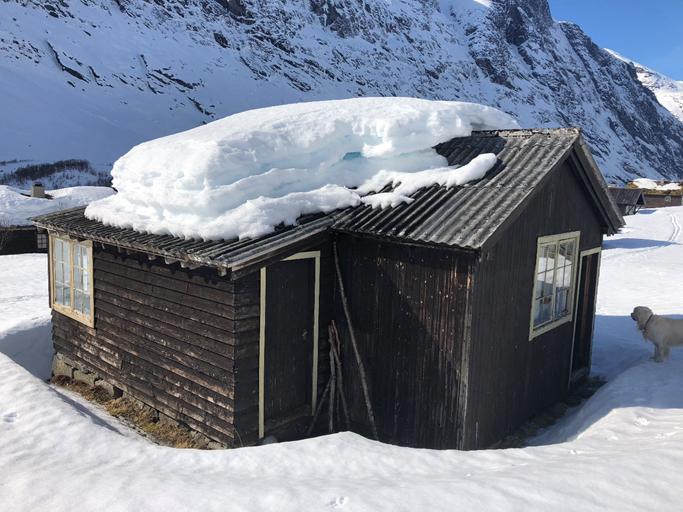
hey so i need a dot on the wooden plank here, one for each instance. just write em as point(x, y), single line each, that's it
point(213, 390)
point(179, 388)
point(127, 290)
point(404, 303)
point(164, 298)
point(157, 320)
point(217, 289)
point(165, 357)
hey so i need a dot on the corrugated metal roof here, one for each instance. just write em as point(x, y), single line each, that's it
point(463, 217)
point(629, 196)
point(217, 253)
point(467, 216)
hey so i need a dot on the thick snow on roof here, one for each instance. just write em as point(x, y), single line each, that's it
point(649, 184)
point(16, 207)
point(245, 174)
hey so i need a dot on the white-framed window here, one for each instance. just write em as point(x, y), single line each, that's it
point(72, 278)
point(41, 240)
point(554, 282)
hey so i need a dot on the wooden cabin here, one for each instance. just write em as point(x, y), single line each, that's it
point(25, 238)
point(661, 199)
point(472, 307)
point(22, 240)
point(628, 200)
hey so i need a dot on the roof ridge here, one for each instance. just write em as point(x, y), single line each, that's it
point(521, 132)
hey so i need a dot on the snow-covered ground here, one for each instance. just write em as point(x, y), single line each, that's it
point(17, 207)
point(622, 450)
point(649, 184)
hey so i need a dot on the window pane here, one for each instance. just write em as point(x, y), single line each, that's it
point(568, 271)
point(537, 313)
point(66, 253)
point(64, 296)
point(561, 303)
point(86, 304)
point(547, 257)
point(78, 279)
point(59, 293)
point(78, 301)
point(85, 259)
point(566, 252)
point(543, 311)
point(547, 285)
point(59, 272)
point(85, 285)
point(551, 254)
point(57, 251)
point(559, 276)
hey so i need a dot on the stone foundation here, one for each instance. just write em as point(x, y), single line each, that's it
point(65, 367)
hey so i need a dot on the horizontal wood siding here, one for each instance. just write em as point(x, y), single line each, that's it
point(167, 336)
point(512, 378)
point(409, 308)
point(659, 200)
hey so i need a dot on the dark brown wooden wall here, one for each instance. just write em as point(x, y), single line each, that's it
point(20, 241)
point(512, 378)
point(659, 200)
point(409, 309)
point(168, 336)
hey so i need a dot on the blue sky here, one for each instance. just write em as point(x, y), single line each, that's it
point(647, 31)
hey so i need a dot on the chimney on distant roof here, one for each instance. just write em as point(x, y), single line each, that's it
point(37, 190)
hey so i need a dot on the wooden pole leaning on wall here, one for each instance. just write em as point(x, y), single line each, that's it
point(334, 386)
point(354, 344)
point(333, 389)
point(318, 408)
point(336, 346)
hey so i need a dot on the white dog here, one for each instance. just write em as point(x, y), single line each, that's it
point(663, 332)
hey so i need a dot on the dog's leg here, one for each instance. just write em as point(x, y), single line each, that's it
point(658, 354)
point(665, 352)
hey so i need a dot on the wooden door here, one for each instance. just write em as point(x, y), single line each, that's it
point(288, 341)
point(585, 316)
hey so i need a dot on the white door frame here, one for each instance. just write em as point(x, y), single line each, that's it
point(315, 255)
point(587, 252)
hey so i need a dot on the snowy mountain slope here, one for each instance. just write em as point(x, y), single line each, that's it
point(622, 450)
point(669, 92)
point(91, 78)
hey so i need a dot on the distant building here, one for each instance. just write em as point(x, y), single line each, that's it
point(660, 199)
point(658, 193)
point(473, 306)
point(629, 200)
point(20, 239)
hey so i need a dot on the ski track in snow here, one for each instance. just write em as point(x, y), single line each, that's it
point(673, 238)
point(622, 450)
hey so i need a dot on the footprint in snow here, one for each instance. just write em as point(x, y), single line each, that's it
point(9, 417)
point(642, 421)
point(339, 501)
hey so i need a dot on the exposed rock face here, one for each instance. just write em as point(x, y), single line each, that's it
point(90, 78)
point(669, 92)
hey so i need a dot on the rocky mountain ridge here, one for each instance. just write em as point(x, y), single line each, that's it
point(88, 79)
